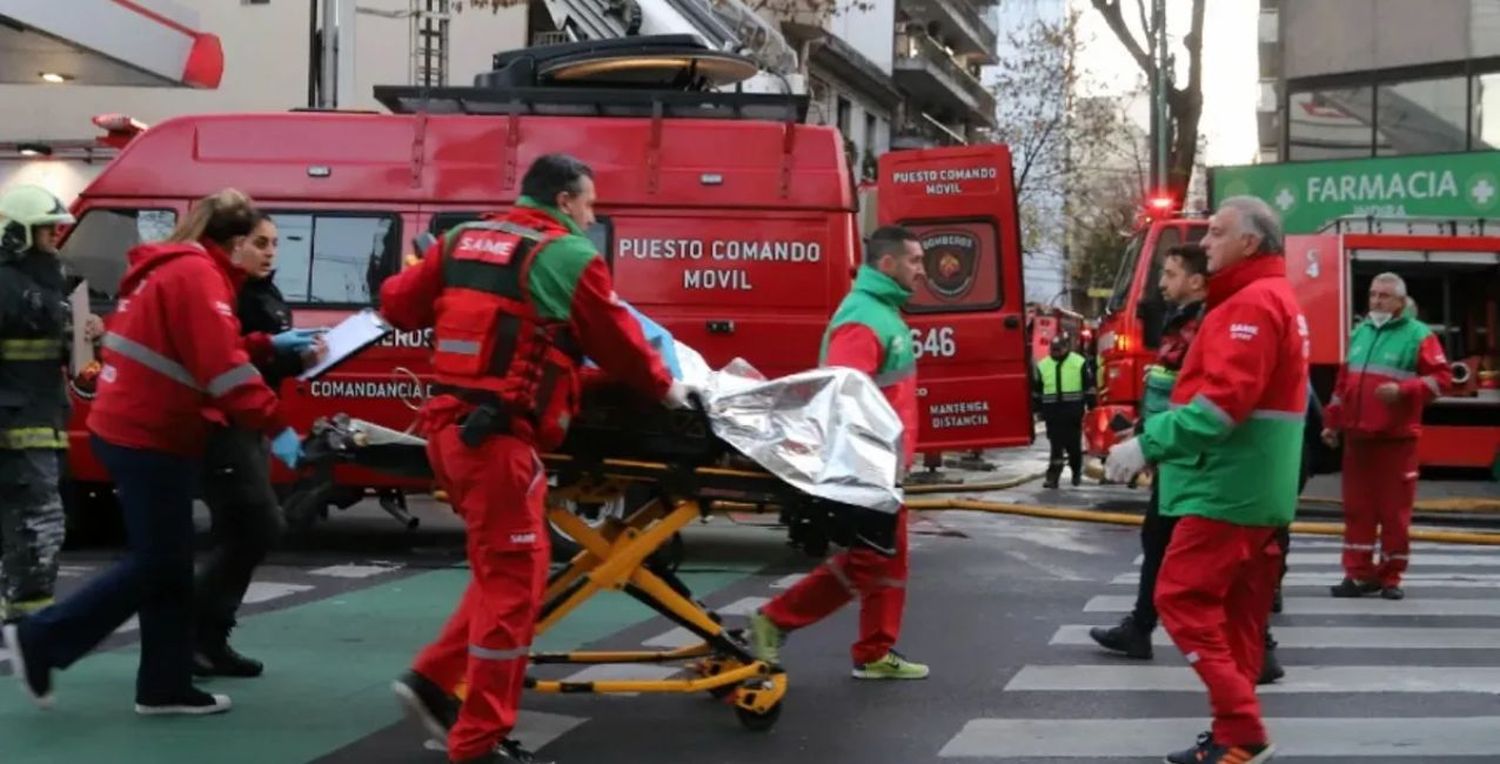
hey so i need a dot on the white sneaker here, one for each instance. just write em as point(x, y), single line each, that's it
point(195, 703)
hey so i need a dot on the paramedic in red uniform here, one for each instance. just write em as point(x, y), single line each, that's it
point(174, 367)
point(1228, 455)
point(516, 301)
point(867, 333)
point(1394, 369)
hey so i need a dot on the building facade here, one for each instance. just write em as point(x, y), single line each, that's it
point(1353, 79)
point(268, 62)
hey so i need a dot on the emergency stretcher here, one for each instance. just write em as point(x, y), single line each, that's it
point(620, 442)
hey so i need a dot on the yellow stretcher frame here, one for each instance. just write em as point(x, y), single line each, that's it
point(615, 556)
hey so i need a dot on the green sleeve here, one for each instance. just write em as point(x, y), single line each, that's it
point(555, 272)
point(1185, 431)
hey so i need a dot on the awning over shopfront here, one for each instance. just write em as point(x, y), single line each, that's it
point(106, 42)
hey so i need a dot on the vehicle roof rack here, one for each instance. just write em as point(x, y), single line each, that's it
point(592, 102)
point(1429, 225)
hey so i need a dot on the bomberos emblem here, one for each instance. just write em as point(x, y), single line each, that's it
point(951, 261)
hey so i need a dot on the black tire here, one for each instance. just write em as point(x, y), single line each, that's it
point(755, 722)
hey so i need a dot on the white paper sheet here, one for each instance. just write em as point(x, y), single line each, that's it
point(83, 348)
point(352, 335)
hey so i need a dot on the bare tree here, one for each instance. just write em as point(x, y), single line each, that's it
point(1184, 104)
point(1057, 139)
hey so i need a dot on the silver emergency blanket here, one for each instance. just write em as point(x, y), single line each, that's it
point(829, 432)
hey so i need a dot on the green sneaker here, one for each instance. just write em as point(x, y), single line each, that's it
point(766, 639)
point(892, 666)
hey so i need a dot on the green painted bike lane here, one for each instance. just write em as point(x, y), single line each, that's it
point(329, 667)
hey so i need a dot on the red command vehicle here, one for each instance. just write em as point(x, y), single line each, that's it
point(740, 253)
point(1452, 272)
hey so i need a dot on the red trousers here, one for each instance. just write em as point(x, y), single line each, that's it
point(1214, 595)
point(499, 489)
point(1380, 486)
point(879, 582)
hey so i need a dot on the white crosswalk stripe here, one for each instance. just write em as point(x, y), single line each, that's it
point(1339, 655)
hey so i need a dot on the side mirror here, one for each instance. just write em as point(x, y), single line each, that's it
point(422, 243)
point(1151, 312)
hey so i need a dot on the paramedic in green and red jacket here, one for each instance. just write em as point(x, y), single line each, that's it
point(1228, 455)
point(1395, 367)
point(867, 333)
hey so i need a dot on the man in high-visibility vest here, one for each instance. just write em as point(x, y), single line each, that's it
point(1063, 389)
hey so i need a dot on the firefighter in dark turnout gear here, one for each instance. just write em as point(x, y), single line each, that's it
point(35, 329)
point(1063, 390)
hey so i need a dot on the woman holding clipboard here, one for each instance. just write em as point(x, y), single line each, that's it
point(247, 519)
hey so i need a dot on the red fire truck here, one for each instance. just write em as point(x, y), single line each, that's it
point(1452, 271)
point(724, 217)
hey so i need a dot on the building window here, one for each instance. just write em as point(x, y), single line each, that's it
point(1485, 127)
point(845, 111)
point(1333, 123)
point(1421, 117)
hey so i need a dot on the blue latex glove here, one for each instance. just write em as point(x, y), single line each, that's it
point(657, 337)
point(288, 448)
point(295, 340)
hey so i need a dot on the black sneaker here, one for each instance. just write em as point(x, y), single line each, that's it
point(426, 703)
point(193, 702)
point(1209, 752)
point(217, 658)
point(1127, 638)
point(1276, 601)
point(1351, 588)
point(1393, 593)
point(34, 675)
point(1195, 754)
point(1270, 669)
point(508, 752)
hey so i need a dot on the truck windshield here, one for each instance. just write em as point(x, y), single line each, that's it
point(95, 249)
point(1126, 274)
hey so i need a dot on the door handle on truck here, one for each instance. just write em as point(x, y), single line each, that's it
point(721, 327)
point(1013, 322)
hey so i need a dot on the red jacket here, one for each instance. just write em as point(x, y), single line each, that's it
point(173, 360)
point(856, 346)
point(567, 276)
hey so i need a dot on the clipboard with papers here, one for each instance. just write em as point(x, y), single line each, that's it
point(347, 339)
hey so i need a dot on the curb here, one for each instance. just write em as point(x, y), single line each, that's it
point(1125, 518)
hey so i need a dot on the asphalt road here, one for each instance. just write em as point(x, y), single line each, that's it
point(998, 605)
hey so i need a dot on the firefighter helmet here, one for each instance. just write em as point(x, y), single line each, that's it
point(25, 207)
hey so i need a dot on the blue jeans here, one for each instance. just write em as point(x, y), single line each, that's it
point(154, 579)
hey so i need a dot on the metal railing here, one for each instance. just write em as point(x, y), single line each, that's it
point(916, 46)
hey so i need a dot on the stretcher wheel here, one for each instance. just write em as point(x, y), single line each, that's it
point(758, 722)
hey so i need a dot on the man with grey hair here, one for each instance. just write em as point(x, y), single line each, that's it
point(1228, 455)
point(1395, 368)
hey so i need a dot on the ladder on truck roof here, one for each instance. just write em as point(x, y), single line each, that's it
point(1419, 225)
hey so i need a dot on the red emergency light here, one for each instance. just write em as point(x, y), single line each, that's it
point(120, 129)
point(1160, 204)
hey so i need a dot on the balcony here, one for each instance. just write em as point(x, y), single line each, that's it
point(936, 84)
point(956, 22)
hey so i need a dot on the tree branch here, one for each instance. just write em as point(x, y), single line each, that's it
point(1110, 10)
